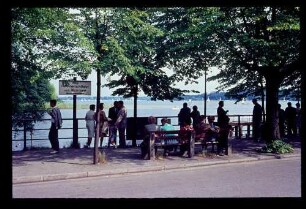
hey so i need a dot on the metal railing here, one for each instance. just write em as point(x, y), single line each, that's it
point(238, 119)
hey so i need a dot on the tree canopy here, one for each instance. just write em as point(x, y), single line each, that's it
point(257, 50)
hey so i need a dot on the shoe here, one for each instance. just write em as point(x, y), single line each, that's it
point(54, 152)
point(86, 146)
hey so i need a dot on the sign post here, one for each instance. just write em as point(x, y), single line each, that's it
point(74, 87)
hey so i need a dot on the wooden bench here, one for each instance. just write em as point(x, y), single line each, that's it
point(204, 144)
point(165, 139)
point(213, 143)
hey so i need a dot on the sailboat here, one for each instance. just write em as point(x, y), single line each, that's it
point(243, 100)
point(208, 100)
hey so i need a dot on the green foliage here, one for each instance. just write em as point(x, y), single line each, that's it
point(278, 146)
point(125, 41)
point(45, 44)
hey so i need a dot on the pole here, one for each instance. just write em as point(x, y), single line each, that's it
point(96, 152)
point(134, 144)
point(205, 94)
point(75, 122)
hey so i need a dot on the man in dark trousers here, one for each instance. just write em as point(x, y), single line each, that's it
point(281, 121)
point(257, 119)
point(223, 123)
point(112, 114)
point(290, 116)
point(56, 123)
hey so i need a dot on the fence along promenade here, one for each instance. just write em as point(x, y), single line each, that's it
point(242, 125)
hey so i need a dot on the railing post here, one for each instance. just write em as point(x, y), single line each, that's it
point(191, 144)
point(239, 127)
point(75, 133)
point(75, 122)
point(151, 151)
point(24, 136)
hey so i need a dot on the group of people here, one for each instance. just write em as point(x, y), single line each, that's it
point(152, 126)
point(193, 121)
point(116, 121)
point(210, 131)
point(290, 120)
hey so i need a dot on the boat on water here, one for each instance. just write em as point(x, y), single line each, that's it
point(175, 108)
point(243, 101)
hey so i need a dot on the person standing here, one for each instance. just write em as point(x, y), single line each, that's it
point(221, 114)
point(290, 115)
point(56, 123)
point(121, 124)
point(184, 116)
point(103, 123)
point(223, 123)
point(195, 115)
point(281, 120)
point(112, 114)
point(256, 119)
point(90, 118)
point(298, 119)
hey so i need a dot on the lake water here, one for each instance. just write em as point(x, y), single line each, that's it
point(144, 109)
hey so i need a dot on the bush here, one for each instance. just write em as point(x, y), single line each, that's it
point(278, 146)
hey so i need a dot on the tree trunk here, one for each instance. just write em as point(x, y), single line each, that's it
point(271, 128)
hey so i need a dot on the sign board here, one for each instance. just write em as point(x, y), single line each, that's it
point(70, 87)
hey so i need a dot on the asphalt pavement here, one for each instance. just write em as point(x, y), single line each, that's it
point(39, 165)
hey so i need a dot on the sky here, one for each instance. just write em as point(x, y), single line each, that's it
point(210, 86)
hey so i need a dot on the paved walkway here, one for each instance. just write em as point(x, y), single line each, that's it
point(40, 165)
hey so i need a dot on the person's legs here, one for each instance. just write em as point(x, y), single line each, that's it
point(101, 141)
point(51, 133)
point(112, 135)
point(53, 137)
point(220, 144)
point(122, 137)
point(89, 139)
point(56, 142)
point(256, 132)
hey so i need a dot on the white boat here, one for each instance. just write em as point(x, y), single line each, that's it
point(208, 100)
point(175, 108)
point(243, 101)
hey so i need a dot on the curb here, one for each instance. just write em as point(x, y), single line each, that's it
point(142, 169)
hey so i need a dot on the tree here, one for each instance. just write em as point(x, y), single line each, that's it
point(263, 41)
point(255, 46)
point(45, 44)
point(124, 42)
